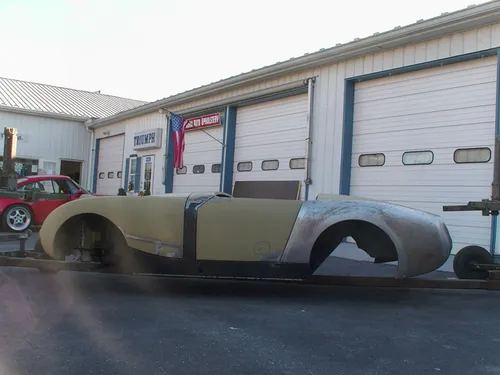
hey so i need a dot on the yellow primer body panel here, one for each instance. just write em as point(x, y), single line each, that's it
point(143, 220)
point(244, 229)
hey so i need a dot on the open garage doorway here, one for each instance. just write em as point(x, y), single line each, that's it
point(72, 169)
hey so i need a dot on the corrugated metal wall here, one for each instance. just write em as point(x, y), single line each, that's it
point(48, 139)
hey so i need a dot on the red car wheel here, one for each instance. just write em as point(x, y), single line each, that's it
point(17, 218)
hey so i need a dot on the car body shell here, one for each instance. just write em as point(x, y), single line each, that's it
point(42, 208)
point(216, 229)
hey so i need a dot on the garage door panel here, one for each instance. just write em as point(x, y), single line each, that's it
point(280, 151)
point(426, 85)
point(276, 124)
point(272, 110)
point(462, 116)
point(110, 159)
point(432, 102)
point(395, 176)
point(200, 149)
point(440, 75)
point(270, 131)
point(422, 139)
point(444, 109)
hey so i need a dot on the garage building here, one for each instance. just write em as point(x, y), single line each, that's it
point(408, 116)
point(52, 137)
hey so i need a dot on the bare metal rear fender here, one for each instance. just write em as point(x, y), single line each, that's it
point(422, 241)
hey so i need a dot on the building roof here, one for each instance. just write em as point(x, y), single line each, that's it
point(447, 23)
point(30, 97)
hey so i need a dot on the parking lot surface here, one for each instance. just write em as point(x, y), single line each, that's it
point(85, 323)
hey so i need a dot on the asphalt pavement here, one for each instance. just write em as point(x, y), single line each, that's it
point(87, 323)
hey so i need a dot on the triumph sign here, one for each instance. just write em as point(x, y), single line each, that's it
point(147, 139)
point(202, 122)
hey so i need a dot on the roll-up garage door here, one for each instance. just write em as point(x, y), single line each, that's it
point(425, 139)
point(110, 164)
point(270, 142)
point(202, 161)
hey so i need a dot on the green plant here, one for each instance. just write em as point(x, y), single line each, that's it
point(121, 191)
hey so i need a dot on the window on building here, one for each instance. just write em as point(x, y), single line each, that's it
point(101, 175)
point(371, 160)
point(198, 169)
point(270, 165)
point(216, 168)
point(182, 170)
point(244, 166)
point(111, 174)
point(131, 173)
point(119, 174)
point(472, 155)
point(49, 167)
point(297, 163)
point(418, 157)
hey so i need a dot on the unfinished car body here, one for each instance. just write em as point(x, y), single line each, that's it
point(215, 234)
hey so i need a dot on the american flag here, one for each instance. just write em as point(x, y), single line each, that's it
point(178, 124)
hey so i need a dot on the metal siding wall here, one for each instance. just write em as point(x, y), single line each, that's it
point(49, 139)
point(330, 86)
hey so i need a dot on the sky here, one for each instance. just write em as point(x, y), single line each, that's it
point(152, 49)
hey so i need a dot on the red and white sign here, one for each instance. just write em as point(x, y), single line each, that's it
point(206, 121)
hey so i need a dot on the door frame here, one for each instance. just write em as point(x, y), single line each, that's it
point(143, 170)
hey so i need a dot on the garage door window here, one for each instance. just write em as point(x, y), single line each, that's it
point(244, 166)
point(270, 165)
point(101, 175)
point(182, 170)
point(198, 169)
point(371, 160)
point(111, 174)
point(472, 155)
point(119, 174)
point(215, 168)
point(418, 157)
point(297, 163)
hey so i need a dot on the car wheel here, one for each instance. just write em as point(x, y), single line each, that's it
point(18, 218)
point(468, 256)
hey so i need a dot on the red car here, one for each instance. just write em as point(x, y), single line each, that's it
point(18, 215)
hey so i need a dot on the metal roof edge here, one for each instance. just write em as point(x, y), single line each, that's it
point(456, 21)
point(32, 112)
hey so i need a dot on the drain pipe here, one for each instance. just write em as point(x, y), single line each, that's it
point(91, 155)
point(310, 99)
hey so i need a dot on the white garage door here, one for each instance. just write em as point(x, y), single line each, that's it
point(109, 165)
point(202, 161)
point(426, 139)
point(270, 141)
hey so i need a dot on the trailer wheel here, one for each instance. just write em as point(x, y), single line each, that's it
point(468, 256)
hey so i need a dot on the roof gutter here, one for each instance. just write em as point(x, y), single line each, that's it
point(32, 112)
point(461, 20)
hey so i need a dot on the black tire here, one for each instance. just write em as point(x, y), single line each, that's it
point(471, 255)
point(22, 210)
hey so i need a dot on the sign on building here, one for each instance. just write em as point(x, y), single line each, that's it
point(147, 139)
point(205, 121)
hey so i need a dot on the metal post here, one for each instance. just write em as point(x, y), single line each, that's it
point(310, 98)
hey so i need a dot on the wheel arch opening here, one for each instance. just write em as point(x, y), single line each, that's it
point(368, 237)
point(86, 230)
